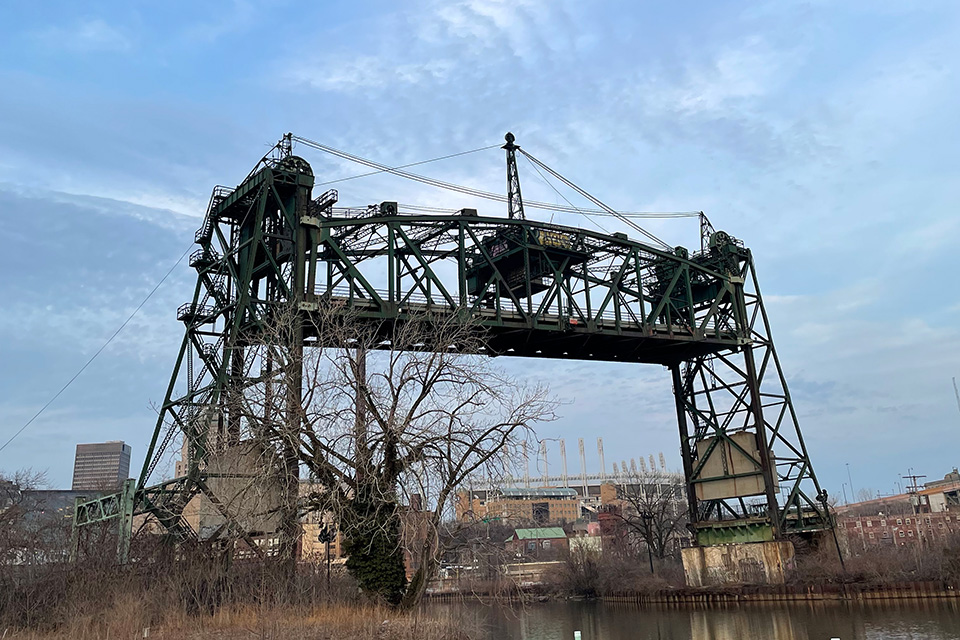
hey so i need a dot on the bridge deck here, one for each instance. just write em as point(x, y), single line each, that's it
point(554, 336)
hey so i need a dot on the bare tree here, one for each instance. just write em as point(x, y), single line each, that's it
point(653, 508)
point(391, 419)
point(24, 532)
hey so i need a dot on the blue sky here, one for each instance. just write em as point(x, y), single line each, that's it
point(823, 134)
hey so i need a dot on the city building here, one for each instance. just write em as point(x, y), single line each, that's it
point(543, 542)
point(608, 502)
point(924, 516)
point(940, 495)
point(101, 466)
point(520, 505)
point(898, 529)
point(937, 496)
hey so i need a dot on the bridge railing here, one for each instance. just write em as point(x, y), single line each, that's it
point(418, 302)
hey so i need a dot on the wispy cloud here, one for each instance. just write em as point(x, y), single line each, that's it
point(827, 149)
point(440, 42)
point(343, 74)
point(90, 35)
point(728, 81)
point(236, 17)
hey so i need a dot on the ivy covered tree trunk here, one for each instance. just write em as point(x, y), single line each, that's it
point(429, 561)
point(375, 555)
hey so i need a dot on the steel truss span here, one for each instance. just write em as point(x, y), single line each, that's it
point(529, 288)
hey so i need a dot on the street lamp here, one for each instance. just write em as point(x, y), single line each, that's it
point(327, 535)
point(647, 518)
point(824, 499)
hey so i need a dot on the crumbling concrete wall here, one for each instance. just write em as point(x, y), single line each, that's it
point(242, 479)
point(745, 563)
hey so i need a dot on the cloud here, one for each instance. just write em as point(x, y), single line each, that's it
point(237, 17)
point(437, 44)
point(523, 28)
point(827, 149)
point(367, 72)
point(730, 80)
point(86, 36)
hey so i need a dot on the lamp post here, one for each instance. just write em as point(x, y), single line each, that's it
point(647, 518)
point(823, 499)
point(326, 536)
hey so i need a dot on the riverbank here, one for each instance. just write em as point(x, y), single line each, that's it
point(127, 618)
point(852, 592)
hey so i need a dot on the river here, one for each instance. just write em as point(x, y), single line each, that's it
point(896, 620)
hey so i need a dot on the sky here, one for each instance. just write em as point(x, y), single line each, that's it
point(822, 134)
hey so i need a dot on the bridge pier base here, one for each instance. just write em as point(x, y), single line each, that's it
point(738, 563)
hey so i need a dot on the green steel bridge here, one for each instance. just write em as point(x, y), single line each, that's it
point(532, 289)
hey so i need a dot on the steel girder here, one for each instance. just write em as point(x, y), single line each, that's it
point(532, 289)
point(595, 297)
point(745, 391)
point(247, 264)
point(701, 315)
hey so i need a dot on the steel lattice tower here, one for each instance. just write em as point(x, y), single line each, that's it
point(534, 290)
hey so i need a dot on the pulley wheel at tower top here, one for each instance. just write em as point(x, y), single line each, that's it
point(296, 164)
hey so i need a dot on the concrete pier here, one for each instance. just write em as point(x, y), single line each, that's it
point(742, 563)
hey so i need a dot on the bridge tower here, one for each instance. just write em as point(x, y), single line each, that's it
point(532, 289)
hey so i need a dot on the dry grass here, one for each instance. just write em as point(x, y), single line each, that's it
point(128, 618)
point(196, 594)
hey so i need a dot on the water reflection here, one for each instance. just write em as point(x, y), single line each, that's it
point(931, 620)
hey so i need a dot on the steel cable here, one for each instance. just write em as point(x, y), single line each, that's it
point(478, 193)
point(99, 351)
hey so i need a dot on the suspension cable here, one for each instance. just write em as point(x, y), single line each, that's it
point(404, 166)
point(550, 184)
point(477, 193)
point(595, 201)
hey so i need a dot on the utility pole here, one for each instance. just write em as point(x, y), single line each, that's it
point(853, 492)
point(912, 489)
point(326, 536)
point(957, 393)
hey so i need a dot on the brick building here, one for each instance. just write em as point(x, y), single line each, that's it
point(520, 505)
point(898, 529)
point(540, 543)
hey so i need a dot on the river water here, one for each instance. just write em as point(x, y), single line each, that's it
point(895, 620)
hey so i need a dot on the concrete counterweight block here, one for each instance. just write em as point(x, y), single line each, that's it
point(743, 563)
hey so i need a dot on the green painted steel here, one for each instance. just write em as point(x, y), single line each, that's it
point(540, 533)
point(531, 289)
point(735, 533)
point(117, 508)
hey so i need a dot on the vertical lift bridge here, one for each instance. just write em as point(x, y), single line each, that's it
point(533, 289)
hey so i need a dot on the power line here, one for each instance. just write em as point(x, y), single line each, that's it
point(98, 352)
